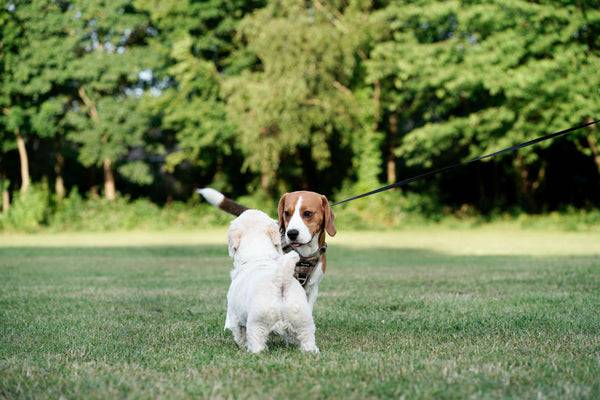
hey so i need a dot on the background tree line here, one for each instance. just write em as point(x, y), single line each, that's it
point(152, 99)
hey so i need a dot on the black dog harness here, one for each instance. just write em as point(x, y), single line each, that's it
point(306, 265)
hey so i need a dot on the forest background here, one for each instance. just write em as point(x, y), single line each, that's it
point(113, 112)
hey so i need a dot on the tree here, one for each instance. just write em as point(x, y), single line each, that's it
point(268, 96)
point(9, 36)
point(477, 77)
point(49, 122)
point(35, 56)
point(196, 42)
point(111, 54)
point(74, 58)
point(299, 98)
point(14, 103)
point(38, 88)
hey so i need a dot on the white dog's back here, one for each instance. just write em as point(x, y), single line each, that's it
point(268, 294)
point(291, 291)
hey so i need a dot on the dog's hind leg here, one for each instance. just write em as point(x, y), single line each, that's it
point(306, 338)
point(304, 331)
point(257, 336)
point(239, 331)
point(239, 335)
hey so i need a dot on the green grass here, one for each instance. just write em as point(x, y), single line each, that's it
point(439, 313)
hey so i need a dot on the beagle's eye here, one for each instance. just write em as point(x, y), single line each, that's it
point(307, 214)
point(286, 214)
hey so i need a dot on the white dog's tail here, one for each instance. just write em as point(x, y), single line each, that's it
point(219, 200)
point(285, 269)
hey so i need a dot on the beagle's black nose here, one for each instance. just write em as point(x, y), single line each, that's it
point(292, 234)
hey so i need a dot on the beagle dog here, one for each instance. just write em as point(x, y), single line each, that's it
point(304, 219)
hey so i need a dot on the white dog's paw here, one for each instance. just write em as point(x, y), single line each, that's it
point(255, 349)
point(311, 349)
point(292, 257)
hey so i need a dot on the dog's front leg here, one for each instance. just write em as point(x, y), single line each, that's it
point(311, 295)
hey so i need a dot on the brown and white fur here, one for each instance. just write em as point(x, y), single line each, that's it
point(304, 219)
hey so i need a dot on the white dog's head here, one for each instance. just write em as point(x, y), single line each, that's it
point(247, 232)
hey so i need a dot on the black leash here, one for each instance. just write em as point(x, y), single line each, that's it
point(439, 171)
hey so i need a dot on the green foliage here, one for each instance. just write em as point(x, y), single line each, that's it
point(472, 78)
point(119, 127)
point(68, 214)
point(28, 210)
point(304, 99)
point(262, 97)
point(137, 172)
point(75, 213)
point(47, 121)
point(391, 209)
point(397, 209)
point(196, 42)
point(112, 41)
point(511, 71)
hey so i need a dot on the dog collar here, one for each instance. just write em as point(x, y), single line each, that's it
point(306, 265)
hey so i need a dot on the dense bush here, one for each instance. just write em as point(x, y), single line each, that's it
point(37, 210)
point(28, 211)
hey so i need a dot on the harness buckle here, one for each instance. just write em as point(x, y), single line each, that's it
point(302, 278)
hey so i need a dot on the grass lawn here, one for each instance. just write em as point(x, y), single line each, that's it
point(438, 313)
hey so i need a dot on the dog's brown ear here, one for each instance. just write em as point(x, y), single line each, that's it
point(280, 213)
point(329, 224)
point(275, 236)
point(234, 236)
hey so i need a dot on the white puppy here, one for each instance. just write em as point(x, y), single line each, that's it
point(264, 297)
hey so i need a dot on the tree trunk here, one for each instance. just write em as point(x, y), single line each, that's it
point(169, 181)
point(264, 182)
point(593, 143)
point(391, 161)
point(109, 180)
point(171, 146)
point(25, 180)
point(529, 185)
point(5, 200)
point(59, 166)
point(5, 193)
point(94, 191)
point(376, 105)
point(525, 191)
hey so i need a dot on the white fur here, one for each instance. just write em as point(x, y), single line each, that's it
point(264, 297)
point(211, 195)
